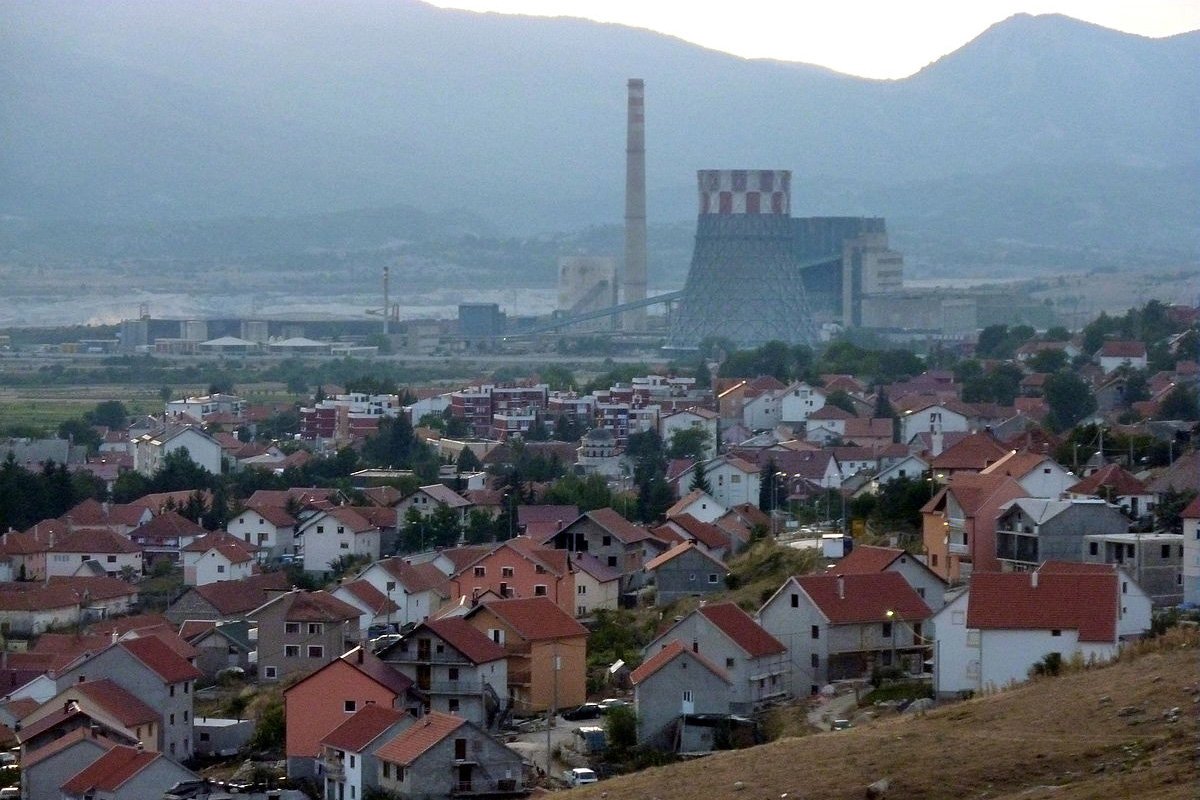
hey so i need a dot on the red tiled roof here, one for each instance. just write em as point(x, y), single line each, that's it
point(625, 531)
point(1193, 510)
point(371, 597)
point(110, 771)
point(424, 734)
point(383, 496)
point(363, 727)
point(234, 549)
point(192, 628)
point(117, 702)
point(168, 524)
point(1112, 349)
point(668, 654)
point(589, 564)
point(247, 594)
point(349, 517)
point(867, 597)
point(973, 452)
point(279, 497)
point(130, 623)
point(1113, 477)
point(368, 664)
point(865, 559)
point(379, 516)
point(742, 629)
point(464, 638)
point(535, 618)
point(93, 540)
point(1085, 602)
point(158, 501)
point(830, 412)
point(21, 707)
point(440, 493)
point(60, 744)
point(318, 606)
point(273, 514)
point(678, 550)
point(556, 561)
point(972, 491)
point(161, 659)
point(706, 533)
point(551, 514)
point(420, 577)
point(61, 592)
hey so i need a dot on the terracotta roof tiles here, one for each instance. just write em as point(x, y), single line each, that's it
point(742, 629)
point(678, 550)
point(161, 659)
point(109, 772)
point(864, 598)
point(535, 618)
point(424, 734)
point(665, 656)
point(363, 727)
point(1085, 602)
point(464, 638)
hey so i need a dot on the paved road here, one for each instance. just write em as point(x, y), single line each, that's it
point(838, 707)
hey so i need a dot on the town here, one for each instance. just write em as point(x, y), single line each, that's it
point(529, 582)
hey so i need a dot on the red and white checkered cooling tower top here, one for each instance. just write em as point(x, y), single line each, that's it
point(745, 191)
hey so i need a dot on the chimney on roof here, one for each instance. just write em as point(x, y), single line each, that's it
point(114, 636)
point(1033, 579)
point(141, 748)
point(360, 654)
point(841, 587)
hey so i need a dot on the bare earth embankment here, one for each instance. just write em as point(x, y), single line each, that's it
point(1100, 733)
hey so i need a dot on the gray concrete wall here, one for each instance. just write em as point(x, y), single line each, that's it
point(658, 700)
point(687, 575)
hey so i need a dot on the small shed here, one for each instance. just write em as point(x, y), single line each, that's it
point(836, 545)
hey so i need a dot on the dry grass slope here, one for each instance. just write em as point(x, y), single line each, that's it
point(1056, 738)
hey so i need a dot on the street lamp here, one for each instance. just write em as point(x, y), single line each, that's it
point(892, 630)
point(775, 502)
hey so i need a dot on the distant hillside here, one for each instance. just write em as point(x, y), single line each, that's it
point(1046, 129)
point(1055, 738)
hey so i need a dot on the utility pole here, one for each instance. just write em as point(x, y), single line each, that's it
point(552, 712)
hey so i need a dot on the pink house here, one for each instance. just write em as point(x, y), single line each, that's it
point(519, 568)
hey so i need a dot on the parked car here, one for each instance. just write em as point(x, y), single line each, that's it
point(585, 711)
point(579, 776)
point(609, 703)
point(841, 725)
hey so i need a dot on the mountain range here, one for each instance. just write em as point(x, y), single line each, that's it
point(1042, 134)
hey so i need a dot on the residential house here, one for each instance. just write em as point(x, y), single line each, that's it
point(543, 521)
point(323, 700)
point(616, 541)
point(732, 479)
point(300, 631)
point(716, 541)
point(446, 756)
point(418, 590)
point(827, 425)
point(992, 634)
point(838, 627)
point(698, 504)
point(45, 770)
point(1030, 530)
point(819, 468)
point(102, 704)
point(910, 467)
point(1153, 560)
point(959, 524)
point(220, 645)
point(686, 570)
point(1115, 354)
point(116, 554)
point(151, 449)
point(227, 599)
point(519, 567)
point(597, 585)
point(150, 670)
point(125, 773)
point(426, 500)
point(869, 432)
point(377, 609)
point(119, 518)
point(755, 661)
point(691, 419)
point(455, 666)
point(334, 535)
point(268, 527)
point(931, 415)
point(537, 636)
point(217, 556)
point(733, 395)
point(1191, 553)
point(798, 401)
point(30, 608)
point(762, 410)
point(868, 560)
point(1117, 486)
point(1039, 474)
point(670, 685)
point(165, 536)
point(348, 751)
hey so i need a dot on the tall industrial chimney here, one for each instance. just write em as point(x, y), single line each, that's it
point(634, 277)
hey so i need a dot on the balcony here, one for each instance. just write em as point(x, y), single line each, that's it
point(333, 769)
point(519, 677)
point(958, 548)
point(451, 687)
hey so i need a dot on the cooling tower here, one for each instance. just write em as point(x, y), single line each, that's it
point(745, 281)
point(634, 277)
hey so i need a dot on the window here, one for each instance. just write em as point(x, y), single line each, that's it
point(112, 559)
point(815, 661)
point(453, 671)
point(391, 586)
point(341, 529)
point(539, 590)
point(1166, 551)
point(291, 651)
point(735, 478)
point(204, 737)
point(352, 760)
point(581, 589)
point(795, 600)
point(921, 592)
point(539, 569)
point(933, 559)
point(496, 635)
point(687, 695)
point(692, 577)
point(269, 672)
point(729, 662)
point(171, 690)
point(816, 632)
point(343, 545)
point(612, 561)
point(452, 705)
point(320, 529)
point(186, 686)
point(916, 629)
point(172, 720)
point(350, 706)
point(185, 716)
point(291, 627)
point(887, 630)
point(220, 569)
point(460, 749)
point(1056, 632)
point(480, 572)
point(316, 651)
point(506, 572)
point(580, 610)
point(606, 541)
point(1124, 587)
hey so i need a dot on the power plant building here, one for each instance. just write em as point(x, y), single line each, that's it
point(758, 274)
point(587, 283)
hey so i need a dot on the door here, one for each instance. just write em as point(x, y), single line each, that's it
point(424, 676)
point(687, 706)
point(464, 777)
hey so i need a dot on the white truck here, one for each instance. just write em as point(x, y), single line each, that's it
point(579, 776)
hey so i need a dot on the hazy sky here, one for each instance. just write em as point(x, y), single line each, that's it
point(872, 38)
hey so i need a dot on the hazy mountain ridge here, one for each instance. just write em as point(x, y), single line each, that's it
point(133, 110)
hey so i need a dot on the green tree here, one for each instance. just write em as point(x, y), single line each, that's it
point(840, 399)
point(1180, 403)
point(110, 413)
point(620, 725)
point(691, 442)
point(467, 461)
point(1048, 361)
point(393, 445)
point(1070, 400)
point(1169, 510)
point(558, 377)
point(80, 433)
point(699, 479)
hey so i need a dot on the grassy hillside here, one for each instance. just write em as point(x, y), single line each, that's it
point(1066, 738)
